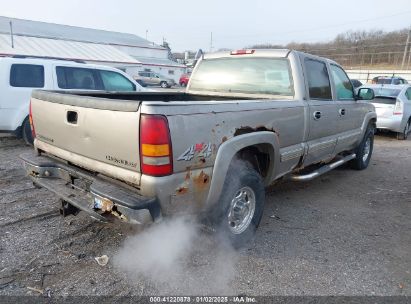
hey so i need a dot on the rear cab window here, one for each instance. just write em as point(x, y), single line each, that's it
point(253, 75)
point(27, 76)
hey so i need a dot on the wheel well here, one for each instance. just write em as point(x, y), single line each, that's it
point(373, 122)
point(19, 131)
point(258, 156)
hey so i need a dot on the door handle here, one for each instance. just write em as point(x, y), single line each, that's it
point(317, 115)
point(341, 111)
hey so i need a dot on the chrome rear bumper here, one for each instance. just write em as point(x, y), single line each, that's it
point(101, 197)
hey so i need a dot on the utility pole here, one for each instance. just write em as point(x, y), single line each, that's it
point(11, 35)
point(146, 34)
point(406, 48)
point(211, 42)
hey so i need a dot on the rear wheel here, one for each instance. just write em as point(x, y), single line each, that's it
point(26, 132)
point(364, 150)
point(163, 84)
point(404, 134)
point(240, 208)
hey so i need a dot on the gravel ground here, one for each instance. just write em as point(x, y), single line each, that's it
point(345, 233)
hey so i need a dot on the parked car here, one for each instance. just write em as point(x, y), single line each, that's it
point(211, 150)
point(356, 83)
point(393, 107)
point(184, 79)
point(154, 79)
point(19, 76)
point(388, 80)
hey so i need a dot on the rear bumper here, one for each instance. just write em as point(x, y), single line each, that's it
point(102, 198)
point(393, 123)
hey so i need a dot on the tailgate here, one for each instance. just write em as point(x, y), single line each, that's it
point(98, 134)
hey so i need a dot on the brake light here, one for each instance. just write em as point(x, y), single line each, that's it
point(398, 109)
point(156, 157)
point(33, 131)
point(242, 52)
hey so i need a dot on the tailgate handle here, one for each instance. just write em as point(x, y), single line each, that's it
point(72, 117)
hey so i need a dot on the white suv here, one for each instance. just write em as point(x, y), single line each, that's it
point(19, 76)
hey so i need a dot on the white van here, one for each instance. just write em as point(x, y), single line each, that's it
point(19, 76)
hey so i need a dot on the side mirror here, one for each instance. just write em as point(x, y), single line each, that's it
point(365, 94)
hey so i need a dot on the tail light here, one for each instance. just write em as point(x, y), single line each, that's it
point(398, 109)
point(156, 157)
point(33, 131)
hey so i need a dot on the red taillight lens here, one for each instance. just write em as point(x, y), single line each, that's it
point(156, 157)
point(33, 131)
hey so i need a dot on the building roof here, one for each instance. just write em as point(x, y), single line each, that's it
point(73, 33)
point(158, 61)
point(43, 47)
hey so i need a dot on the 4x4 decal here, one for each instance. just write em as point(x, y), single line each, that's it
point(198, 150)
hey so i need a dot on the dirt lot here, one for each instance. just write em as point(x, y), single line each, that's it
point(346, 233)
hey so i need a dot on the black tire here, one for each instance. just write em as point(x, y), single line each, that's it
point(241, 178)
point(361, 161)
point(164, 84)
point(404, 134)
point(26, 132)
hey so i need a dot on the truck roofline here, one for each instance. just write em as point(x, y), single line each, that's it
point(281, 53)
point(276, 53)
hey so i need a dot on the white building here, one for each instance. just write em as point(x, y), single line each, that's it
point(128, 52)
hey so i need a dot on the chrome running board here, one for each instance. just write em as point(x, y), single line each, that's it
point(322, 170)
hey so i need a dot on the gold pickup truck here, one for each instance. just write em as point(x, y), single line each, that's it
point(247, 118)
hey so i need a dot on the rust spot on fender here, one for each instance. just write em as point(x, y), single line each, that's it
point(201, 181)
point(182, 190)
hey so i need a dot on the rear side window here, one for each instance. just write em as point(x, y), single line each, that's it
point(27, 76)
point(78, 78)
point(318, 79)
point(342, 83)
point(113, 81)
point(408, 93)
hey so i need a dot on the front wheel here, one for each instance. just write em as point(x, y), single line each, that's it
point(364, 151)
point(404, 134)
point(240, 208)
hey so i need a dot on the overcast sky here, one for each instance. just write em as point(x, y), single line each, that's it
point(187, 25)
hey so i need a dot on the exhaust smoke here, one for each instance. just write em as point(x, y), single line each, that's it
point(175, 257)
